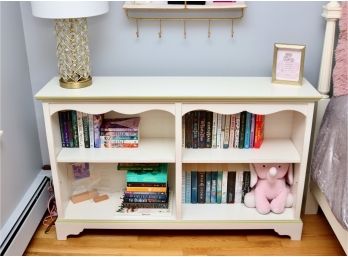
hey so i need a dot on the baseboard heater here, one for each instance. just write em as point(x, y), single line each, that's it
point(23, 228)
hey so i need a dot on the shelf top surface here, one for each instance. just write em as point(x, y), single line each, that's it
point(171, 89)
point(162, 5)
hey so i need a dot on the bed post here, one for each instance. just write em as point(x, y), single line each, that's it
point(331, 12)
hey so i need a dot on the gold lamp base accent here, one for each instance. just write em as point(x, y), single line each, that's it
point(76, 84)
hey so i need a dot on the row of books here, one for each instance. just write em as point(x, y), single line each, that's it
point(205, 129)
point(215, 186)
point(78, 129)
point(147, 185)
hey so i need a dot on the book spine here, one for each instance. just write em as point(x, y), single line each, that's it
point(246, 184)
point(219, 187)
point(247, 130)
point(259, 127)
point(194, 189)
point(224, 187)
point(252, 130)
point(97, 122)
point(201, 187)
point(214, 177)
point(183, 187)
point(146, 184)
point(70, 129)
point(103, 129)
point(61, 127)
point(188, 187)
point(218, 131)
point(207, 186)
point(214, 131)
point(143, 200)
point(209, 127)
point(237, 131)
point(85, 129)
point(188, 129)
point(147, 195)
point(91, 130)
point(195, 129)
point(75, 128)
point(232, 129)
point(202, 129)
point(242, 129)
point(239, 187)
point(231, 184)
point(145, 205)
point(66, 128)
point(222, 137)
point(227, 131)
point(147, 189)
point(80, 129)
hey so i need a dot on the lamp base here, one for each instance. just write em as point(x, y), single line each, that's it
point(76, 85)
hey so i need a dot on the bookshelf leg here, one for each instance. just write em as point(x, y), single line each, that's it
point(294, 230)
point(63, 230)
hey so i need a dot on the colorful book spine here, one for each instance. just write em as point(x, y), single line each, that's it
point(97, 122)
point(143, 200)
point(218, 130)
point(227, 131)
point(61, 127)
point(188, 129)
point(214, 178)
point(219, 187)
point(194, 187)
point(232, 129)
point(247, 130)
point(85, 122)
point(188, 187)
point(242, 129)
point(195, 129)
point(259, 127)
point(201, 190)
point(209, 128)
point(207, 186)
point(75, 128)
point(214, 130)
point(146, 189)
point(231, 184)
point(145, 205)
point(252, 130)
point(224, 187)
point(80, 129)
point(236, 131)
point(91, 130)
point(146, 184)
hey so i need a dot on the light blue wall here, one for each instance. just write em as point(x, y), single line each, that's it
point(116, 51)
point(20, 150)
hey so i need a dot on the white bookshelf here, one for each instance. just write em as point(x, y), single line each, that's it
point(161, 103)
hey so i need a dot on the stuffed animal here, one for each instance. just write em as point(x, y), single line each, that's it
point(271, 190)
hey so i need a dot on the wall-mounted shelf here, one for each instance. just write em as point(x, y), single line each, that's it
point(161, 11)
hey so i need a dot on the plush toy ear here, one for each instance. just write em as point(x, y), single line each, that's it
point(253, 175)
point(290, 175)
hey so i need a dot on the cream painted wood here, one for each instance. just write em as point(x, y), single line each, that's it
point(158, 5)
point(161, 103)
point(331, 12)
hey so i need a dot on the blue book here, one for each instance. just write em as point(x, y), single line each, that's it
point(214, 177)
point(194, 187)
point(247, 130)
point(219, 187)
point(207, 186)
point(188, 187)
point(154, 176)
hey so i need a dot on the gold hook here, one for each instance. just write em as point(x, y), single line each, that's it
point(137, 33)
point(160, 32)
point(232, 32)
point(185, 29)
point(209, 31)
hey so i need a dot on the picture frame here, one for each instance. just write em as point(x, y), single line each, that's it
point(288, 64)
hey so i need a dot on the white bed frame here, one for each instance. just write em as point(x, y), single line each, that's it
point(315, 198)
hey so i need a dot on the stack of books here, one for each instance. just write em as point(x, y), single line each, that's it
point(147, 185)
point(119, 133)
point(204, 129)
point(215, 186)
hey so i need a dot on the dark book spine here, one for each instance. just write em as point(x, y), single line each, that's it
point(201, 186)
point(85, 122)
point(195, 129)
point(207, 186)
point(231, 184)
point(145, 184)
point(74, 128)
point(61, 126)
point(66, 128)
point(70, 129)
point(219, 187)
point(214, 178)
point(143, 200)
point(194, 189)
point(150, 195)
point(246, 184)
point(145, 205)
point(202, 129)
point(188, 129)
point(242, 129)
point(209, 129)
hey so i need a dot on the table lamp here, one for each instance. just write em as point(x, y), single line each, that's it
point(72, 37)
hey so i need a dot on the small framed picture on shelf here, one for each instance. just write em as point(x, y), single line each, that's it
point(288, 64)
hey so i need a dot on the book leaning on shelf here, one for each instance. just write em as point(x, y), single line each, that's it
point(147, 185)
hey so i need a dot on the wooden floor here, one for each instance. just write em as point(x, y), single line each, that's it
point(317, 239)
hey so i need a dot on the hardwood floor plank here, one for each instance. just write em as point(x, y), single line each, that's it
point(317, 239)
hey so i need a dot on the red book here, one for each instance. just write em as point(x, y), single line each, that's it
point(259, 125)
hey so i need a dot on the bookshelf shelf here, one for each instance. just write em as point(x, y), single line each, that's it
point(272, 150)
point(161, 103)
point(149, 150)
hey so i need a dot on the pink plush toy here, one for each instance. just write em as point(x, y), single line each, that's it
point(271, 191)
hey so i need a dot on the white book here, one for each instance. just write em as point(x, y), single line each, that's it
point(224, 187)
point(232, 128)
point(236, 132)
point(91, 130)
point(80, 129)
point(239, 187)
point(214, 131)
point(227, 131)
point(218, 131)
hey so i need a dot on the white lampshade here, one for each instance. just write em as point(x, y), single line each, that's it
point(68, 9)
